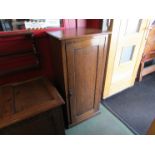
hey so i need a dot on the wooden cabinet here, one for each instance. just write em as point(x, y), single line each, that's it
point(79, 60)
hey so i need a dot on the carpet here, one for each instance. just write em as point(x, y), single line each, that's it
point(135, 107)
point(104, 123)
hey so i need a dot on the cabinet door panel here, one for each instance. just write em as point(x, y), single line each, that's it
point(85, 78)
point(85, 73)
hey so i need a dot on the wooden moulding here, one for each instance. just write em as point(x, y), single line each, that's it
point(20, 101)
point(15, 34)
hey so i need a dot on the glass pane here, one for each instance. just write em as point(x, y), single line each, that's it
point(127, 53)
point(133, 26)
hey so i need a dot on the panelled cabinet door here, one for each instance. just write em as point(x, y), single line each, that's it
point(85, 63)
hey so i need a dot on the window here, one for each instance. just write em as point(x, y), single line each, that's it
point(127, 53)
point(21, 24)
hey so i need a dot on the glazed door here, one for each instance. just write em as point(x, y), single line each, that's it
point(85, 61)
point(127, 43)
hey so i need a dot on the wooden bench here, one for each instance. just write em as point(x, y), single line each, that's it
point(28, 107)
point(31, 107)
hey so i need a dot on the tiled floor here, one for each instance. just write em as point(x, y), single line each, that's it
point(104, 123)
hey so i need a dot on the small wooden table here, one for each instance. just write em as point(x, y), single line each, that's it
point(31, 107)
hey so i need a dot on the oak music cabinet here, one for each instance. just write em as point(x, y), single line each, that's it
point(79, 57)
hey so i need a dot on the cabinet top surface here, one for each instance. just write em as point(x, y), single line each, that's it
point(76, 33)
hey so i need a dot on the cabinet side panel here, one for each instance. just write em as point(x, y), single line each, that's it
point(58, 63)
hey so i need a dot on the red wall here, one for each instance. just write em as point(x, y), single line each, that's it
point(94, 23)
point(43, 45)
point(89, 23)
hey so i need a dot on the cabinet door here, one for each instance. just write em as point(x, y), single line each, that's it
point(85, 61)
